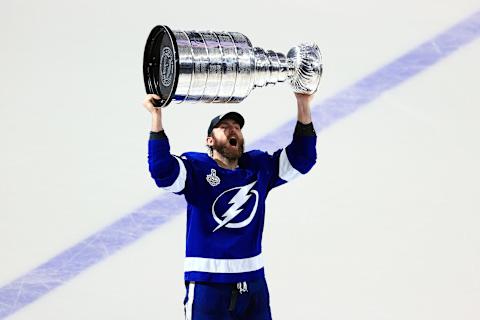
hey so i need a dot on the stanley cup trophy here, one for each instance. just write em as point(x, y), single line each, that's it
point(221, 67)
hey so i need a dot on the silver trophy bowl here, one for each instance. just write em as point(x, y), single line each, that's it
point(221, 67)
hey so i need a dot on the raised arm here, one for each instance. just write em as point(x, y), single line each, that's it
point(168, 171)
point(304, 102)
point(300, 155)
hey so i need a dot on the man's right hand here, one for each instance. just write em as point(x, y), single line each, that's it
point(156, 112)
point(148, 103)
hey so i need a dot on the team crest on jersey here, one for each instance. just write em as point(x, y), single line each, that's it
point(212, 178)
point(240, 199)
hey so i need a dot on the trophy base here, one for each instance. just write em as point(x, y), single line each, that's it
point(161, 65)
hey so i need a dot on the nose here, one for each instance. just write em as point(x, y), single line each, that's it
point(233, 129)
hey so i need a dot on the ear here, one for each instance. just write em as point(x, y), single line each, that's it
point(209, 141)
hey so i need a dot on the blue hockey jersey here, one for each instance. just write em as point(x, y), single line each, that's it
point(226, 208)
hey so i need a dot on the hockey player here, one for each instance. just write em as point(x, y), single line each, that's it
point(226, 191)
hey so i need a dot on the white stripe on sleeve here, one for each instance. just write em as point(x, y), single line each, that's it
point(179, 184)
point(286, 171)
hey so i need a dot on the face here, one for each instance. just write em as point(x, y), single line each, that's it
point(227, 139)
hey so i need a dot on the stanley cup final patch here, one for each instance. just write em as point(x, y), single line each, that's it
point(212, 178)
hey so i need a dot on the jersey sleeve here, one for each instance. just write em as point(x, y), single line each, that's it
point(169, 172)
point(297, 158)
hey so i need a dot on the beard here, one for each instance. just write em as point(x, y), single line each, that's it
point(229, 151)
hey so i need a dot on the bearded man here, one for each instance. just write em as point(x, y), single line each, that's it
point(226, 191)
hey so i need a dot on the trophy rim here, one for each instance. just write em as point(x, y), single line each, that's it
point(150, 63)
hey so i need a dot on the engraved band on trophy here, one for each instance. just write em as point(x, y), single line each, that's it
point(221, 67)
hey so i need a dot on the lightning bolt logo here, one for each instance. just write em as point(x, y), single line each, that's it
point(239, 199)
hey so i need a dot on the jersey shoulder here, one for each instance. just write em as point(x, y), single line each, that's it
point(256, 154)
point(255, 158)
point(196, 158)
point(250, 159)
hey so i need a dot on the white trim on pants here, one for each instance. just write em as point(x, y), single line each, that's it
point(189, 304)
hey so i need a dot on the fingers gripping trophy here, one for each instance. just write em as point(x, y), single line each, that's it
point(221, 67)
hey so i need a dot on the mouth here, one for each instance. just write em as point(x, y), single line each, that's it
point(233, 141)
